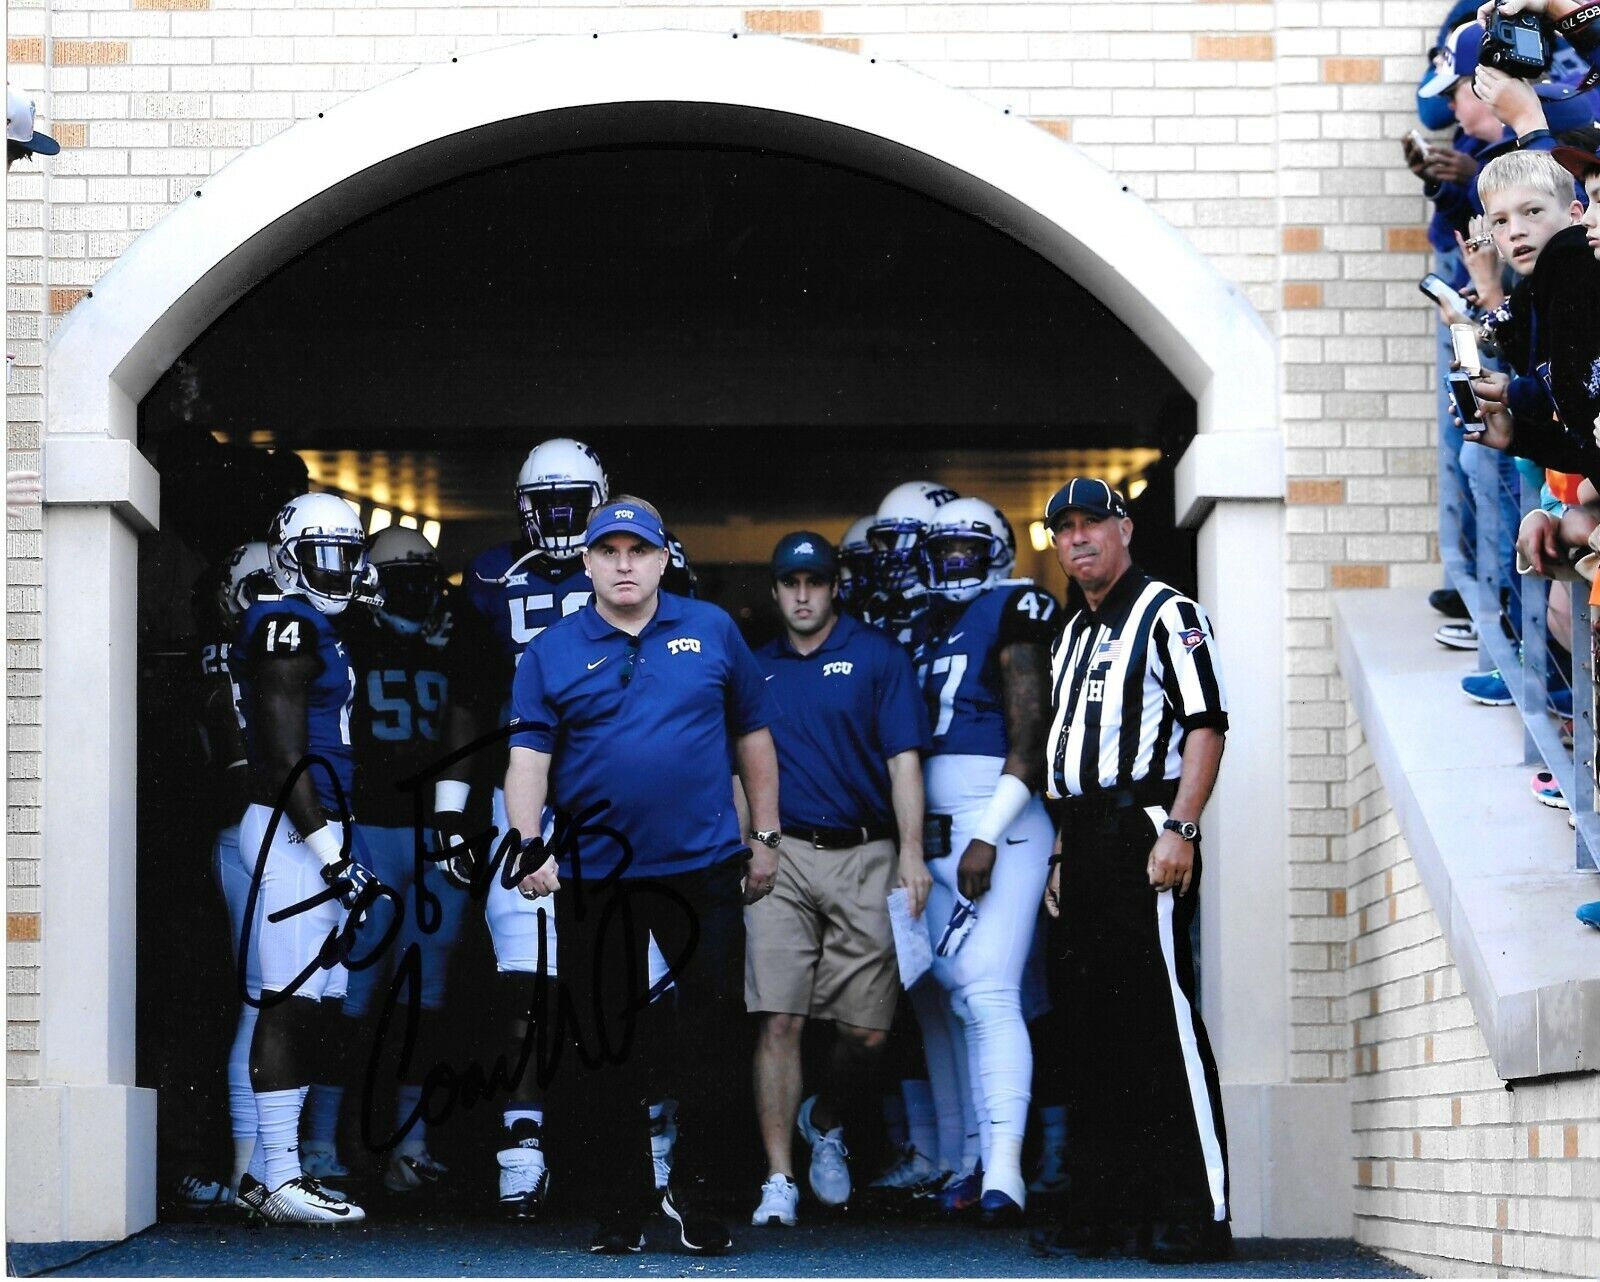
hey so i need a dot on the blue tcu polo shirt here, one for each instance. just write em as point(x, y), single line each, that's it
point(847, 707)
point(649, 755)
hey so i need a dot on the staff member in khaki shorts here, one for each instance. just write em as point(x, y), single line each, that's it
point(849, 742)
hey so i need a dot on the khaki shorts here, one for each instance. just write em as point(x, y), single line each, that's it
point(820, 944)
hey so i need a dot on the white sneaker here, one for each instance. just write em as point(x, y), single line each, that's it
point(911, 1170)
point(780, 1199)
point(830, 1173)
point(321, 1162)
point(663, 1139)
point(203, 1195)
point(408, 1172)
point(1458, 634)
point(304, 1201)
point(524, 1176)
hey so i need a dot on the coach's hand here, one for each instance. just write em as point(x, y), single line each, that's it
point(760, 873)
point(915, 879)
point(542, 880)
point(1171, 863)
point(975, 869)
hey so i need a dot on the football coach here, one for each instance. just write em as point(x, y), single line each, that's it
point(626, 716)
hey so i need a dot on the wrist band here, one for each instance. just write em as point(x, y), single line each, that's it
point(327, 843)
point(451, 794)
point(1010, 798)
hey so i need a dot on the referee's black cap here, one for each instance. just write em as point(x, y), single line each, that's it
point(1085, 494)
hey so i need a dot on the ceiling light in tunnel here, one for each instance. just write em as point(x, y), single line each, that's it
point(380, 519)
point(408, 522)
point(1038, 535)
point(1136, 488)
point(430, 531)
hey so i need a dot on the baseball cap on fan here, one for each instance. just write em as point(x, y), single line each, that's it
point(804, 550)
point(625, 518)
point(1456, 60)
point(19, 125)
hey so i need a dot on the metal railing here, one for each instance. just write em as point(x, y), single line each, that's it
point(1526, 674)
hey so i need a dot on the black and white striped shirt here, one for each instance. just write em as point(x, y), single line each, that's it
point(1128, 682)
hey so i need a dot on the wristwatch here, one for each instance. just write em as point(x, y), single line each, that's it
point(1185, 828)
point(771, 837)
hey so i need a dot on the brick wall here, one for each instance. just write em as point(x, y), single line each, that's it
point(1455, 1175)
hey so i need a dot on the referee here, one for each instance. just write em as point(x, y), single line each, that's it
point(1136, 735)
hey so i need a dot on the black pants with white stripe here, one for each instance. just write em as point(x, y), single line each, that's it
point(1146, 1142)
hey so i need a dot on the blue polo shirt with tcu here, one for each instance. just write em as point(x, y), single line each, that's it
point(847, 707)
point(639, 733)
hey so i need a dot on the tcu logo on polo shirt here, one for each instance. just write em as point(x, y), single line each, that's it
point(839, 668)
point(682, 644)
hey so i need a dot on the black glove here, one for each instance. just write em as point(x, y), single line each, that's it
point(355, 886)
point(457, 859)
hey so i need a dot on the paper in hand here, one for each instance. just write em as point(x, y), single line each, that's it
point(911, 947)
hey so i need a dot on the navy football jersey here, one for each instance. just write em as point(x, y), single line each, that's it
point(277, 628)
point(957, 656)
point(401, 686)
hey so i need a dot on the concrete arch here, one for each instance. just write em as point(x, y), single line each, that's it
point(440, 121)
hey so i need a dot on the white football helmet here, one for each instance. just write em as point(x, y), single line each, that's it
point(319, 552)
point(560, 483)
point(896, 533)
point(411, 578)
point(248, 571)
point(857, 562)
point(966, 549)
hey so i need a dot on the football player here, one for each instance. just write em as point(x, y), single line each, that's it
point(981, 653)
point(856, 563)
point(896, 535)
point(245, 575)
point(512, 593)
point(397, 648)
point(296, 688)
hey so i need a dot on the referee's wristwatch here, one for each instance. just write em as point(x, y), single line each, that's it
point(768, 837)
point(1185, 828)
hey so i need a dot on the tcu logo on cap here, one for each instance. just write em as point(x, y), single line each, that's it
point(840, 668)
point(623, 513)
point(682, 644)
point(805, 547)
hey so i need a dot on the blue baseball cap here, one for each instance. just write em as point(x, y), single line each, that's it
point(1457, 59)
point(804, 550)
point(625, 518)
point(1084, 494)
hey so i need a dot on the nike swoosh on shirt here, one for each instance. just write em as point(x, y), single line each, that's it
point(1015, 841)
point(592, 666)
point(951, 640)
point(769, 678)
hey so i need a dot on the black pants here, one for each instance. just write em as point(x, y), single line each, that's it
point(602, 939)
point(1144, 1112)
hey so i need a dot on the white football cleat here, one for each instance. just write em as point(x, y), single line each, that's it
point(203, 1195)
point(321, 1161)
point(304, 1201)
point(408, 1172)
point(524, 1176)
point(912, 1170)
point(780, 1200)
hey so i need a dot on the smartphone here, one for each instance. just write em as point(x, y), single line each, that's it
point(1438, 289)
point(1466, 400)
point(1464, 339)
point(1418, 141)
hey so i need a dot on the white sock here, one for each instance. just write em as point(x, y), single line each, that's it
point(932, 1008)
point(406, 1097)
point(258, 1162)
point(517, 1112)
point(241, 1098)
point(244, 1150)
point(894, 1121)
point(922, 1123)
point(280, 1134)
point(1002, 1169)
point(322, 1114)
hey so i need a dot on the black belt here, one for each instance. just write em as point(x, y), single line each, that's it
point(840, 838)
point(1103, 801)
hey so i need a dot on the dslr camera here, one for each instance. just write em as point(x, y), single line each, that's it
point(1518, 44)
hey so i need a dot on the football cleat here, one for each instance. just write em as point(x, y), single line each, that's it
point(663, 1139)
point(780, 1200)
point(408, 1172)
point(996, 1210)
point(524, 1175)
point(203, 1195)
point(320, 1161)
point(961, 1194)
point(304, 1201)
point(934, 1185)
point(618, 1234)
point(830, 1173)
point(911, 1170)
